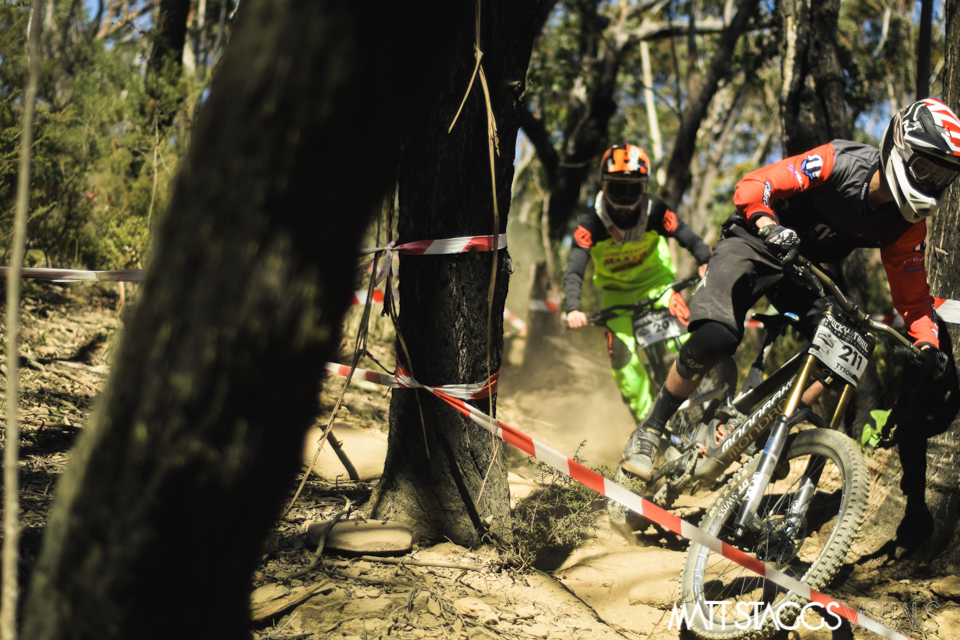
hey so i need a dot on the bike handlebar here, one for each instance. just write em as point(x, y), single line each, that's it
point(600, 317)
point(817, 281)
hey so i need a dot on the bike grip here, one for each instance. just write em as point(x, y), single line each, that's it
point(907, 352)
point(791, 256)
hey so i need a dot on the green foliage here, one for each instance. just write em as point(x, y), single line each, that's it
point(560, 516)
point(109, 135)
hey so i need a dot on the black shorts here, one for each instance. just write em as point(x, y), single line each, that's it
point(740, 272)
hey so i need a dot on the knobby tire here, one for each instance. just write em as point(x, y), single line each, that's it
point(842, 491)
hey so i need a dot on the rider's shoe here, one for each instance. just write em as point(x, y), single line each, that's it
point(639, 452)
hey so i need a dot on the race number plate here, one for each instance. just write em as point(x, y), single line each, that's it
point(843, 349)
point(656, 326)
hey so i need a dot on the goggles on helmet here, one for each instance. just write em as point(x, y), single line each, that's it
point(929, 174)
point(623, 192)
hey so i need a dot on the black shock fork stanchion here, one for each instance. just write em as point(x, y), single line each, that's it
point(747, 518)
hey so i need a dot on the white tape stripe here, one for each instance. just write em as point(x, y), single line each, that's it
point(701, 537)
point(517, 323)
point(79, 275)
point(949, 311)
point(551, 457)
point(453, 245)
point(544, 305)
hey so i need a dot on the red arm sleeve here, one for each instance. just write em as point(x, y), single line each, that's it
point(907, 275)
point(758, 189)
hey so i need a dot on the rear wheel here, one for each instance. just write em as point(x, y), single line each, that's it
point(807, 542)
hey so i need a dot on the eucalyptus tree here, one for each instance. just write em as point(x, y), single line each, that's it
point(200, 429)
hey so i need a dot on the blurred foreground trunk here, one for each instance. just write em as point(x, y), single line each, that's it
point(160, 516)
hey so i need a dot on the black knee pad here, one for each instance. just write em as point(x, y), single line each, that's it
point(709, 343)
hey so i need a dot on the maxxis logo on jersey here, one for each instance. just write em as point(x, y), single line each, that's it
point(812, 166)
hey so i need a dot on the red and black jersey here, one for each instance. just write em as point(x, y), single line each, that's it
point(822, 195)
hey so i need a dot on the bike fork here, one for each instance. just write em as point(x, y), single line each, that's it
point(747, 518)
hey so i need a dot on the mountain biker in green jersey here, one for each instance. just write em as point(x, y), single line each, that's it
point(625, 232)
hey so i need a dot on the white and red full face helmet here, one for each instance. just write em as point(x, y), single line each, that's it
point(920, 156)
point(624, 171)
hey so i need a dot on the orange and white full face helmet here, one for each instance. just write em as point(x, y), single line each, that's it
point(624, 172)
point(920, 156)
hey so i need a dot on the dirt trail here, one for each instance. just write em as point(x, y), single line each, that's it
point(609, 588)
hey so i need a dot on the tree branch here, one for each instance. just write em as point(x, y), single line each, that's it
point(535, 130)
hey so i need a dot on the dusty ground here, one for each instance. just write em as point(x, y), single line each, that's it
point(609, 588)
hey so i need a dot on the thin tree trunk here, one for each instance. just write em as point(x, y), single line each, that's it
point(216, 380)
point(923, 49)
point(445, 476)
point(11, 445)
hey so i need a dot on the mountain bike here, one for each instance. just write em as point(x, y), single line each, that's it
point(799, 503)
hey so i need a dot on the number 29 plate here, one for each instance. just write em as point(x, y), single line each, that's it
point(656, 326)
point(842, 348)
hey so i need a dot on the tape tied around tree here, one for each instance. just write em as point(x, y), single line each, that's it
point(404, 380)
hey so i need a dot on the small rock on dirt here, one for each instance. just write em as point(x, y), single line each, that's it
point(476, 608)
point(365, 451)
point(373, 537)
point(538, 630)
point(949, 623)
point(268, 593)
point(948, 587)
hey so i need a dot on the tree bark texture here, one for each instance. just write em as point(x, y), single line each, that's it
point(921, 508)
point(171, 33)
point(445, 476)
point(812, 105)
point(161, 514)
point(679, 175)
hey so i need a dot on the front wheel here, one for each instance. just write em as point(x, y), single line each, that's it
point(805, 538)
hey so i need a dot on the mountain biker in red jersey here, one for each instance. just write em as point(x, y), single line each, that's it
point(828, 201)
point(625, 234)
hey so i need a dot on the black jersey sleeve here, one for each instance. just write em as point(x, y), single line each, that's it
point(573, 276)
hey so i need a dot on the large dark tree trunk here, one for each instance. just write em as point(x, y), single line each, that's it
point(446, 477)
point(812, 107)
point(199, 434)
point(921, 509)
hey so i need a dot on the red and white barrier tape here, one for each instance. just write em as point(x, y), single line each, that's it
point(610, 489)
point(544, 305)
point(950, 311)
point(360, 297)
point(77, 275)
point(514, 320)
point(403, 380)
point(464, 244)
